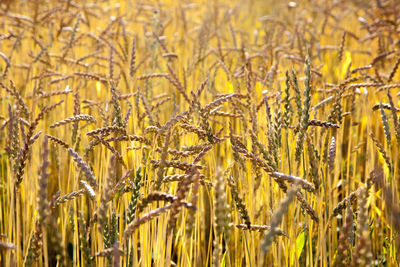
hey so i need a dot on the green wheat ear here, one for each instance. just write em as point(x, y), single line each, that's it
point(135, 184)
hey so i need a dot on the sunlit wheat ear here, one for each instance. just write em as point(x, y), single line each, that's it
point(396, 123)
point(8, 64)
point(382, 87)
point(341, 48)
point(108, 252)
point(89, 189)
point(360, 69)
point(307, 207)
point(117, 155)
point(111, 65)
point(262, 164)
point(91, 76)
point(305, 112)
point(287, 114)
point(35, 137)
point(394, 70)
point(107, 130)
point(173, 79)
point(238, 110)
point(382, 150)
point(195, 104)
point(296, 88)
point(21, 102)
point(266, 155)
point(160, 196)
point(128, 113)
point(53, 199)
point(75, 118)
point(117, 115)
point(212, 105)
point(13, 145)
point(70, 196)
point(148, 111)
point(381, 57)
point(84, 167)
point(175, 153)
point(217, 113)
point(132, 62)
point(181, 193)
point(22, 157)
point(324, 124)
point(386, 127)
point(261, 228)
point(132, 206)
point(201, 154)
point(172, 121)
point(131, 227)
point(194, 129)
point(162, 162)
point(294, 180)
point(61, 79)
point(154, 107)
point(332, 153)
point(160, 42)
point(55, 93)
point(7, 246)
point(239, 202)
point(336, 114)
point(151, 76)
point(104, 117)
point(121, 183)
point(72, 36)
point(349, 200)
point(57, 141)
point(276, 219)
point(131, 138)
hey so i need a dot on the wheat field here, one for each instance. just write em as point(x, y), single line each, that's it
point(204, 133)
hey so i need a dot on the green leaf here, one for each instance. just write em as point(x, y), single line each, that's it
point(300, 241)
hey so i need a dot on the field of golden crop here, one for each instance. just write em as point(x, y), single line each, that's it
point(204, 133)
